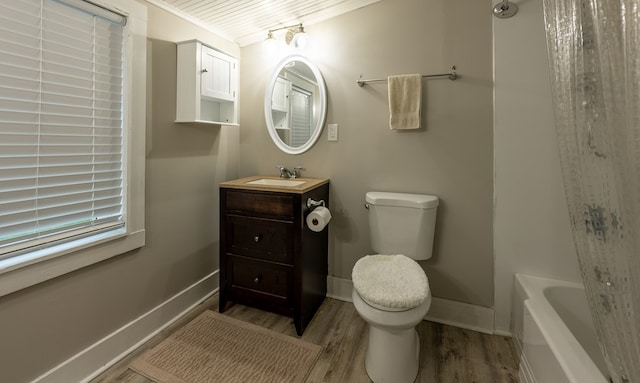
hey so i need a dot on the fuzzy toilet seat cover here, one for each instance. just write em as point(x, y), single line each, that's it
point(394, 281)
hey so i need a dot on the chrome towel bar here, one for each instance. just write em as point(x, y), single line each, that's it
point(451, 76)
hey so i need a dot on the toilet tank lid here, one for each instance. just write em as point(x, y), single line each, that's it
point(417, 201)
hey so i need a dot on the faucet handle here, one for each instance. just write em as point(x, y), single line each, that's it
point(284, 172)
point(296, 172)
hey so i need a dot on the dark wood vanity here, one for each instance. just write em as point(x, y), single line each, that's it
point(269, 258)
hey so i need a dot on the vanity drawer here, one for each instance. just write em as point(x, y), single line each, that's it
point(260, 238)
point(275, 204)
point(250, 277)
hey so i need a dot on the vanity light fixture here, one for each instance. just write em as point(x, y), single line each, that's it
point(295, 36)
point(270, 42)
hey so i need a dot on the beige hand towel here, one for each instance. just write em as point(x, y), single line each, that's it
point(405, 99)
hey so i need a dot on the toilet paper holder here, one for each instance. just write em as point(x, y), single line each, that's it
point(312, 204)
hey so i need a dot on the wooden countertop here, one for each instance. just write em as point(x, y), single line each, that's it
point(243, 183)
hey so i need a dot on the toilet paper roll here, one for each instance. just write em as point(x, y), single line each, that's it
point(318, 218)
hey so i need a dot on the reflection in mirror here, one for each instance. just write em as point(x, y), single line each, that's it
point(295, 104)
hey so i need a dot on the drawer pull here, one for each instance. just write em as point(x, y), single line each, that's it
point(257, 238)
point(258, 279)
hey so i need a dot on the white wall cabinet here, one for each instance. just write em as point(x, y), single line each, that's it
point(206, 89)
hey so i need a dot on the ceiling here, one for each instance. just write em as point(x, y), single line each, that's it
point(247, 21)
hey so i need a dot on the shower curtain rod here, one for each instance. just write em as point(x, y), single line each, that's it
point(451, 76)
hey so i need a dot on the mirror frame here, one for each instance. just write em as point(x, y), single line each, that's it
point(322, 112)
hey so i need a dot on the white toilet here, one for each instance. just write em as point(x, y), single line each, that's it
point(390, 289)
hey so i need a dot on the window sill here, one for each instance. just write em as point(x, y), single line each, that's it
point(29, 269)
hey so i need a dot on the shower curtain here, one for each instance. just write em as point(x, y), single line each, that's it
point(594, 54)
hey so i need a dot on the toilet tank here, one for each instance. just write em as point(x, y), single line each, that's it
point(401, 223)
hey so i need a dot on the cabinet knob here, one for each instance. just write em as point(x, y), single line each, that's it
point(258, 279)
point(257, 238)
point(204, 70)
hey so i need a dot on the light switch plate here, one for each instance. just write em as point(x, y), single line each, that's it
point(333, 132)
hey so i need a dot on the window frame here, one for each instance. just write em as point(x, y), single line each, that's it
point(30, 268)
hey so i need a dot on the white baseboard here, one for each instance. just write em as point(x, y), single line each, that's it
point(464, 315)
point(524, 371)
point(339, 288)
point(98, 357)
point(502, 333)
point(458, 314)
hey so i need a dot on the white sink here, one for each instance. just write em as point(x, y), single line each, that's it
point(275, 182)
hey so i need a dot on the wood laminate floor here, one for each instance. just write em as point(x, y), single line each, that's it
point(447, 354)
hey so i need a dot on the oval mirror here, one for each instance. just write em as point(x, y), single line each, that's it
point(295, 104)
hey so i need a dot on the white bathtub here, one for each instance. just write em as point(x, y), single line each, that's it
point(553, 333)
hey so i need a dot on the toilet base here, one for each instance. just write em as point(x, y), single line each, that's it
point(392, 356)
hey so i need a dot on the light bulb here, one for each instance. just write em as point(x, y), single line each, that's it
point(299, 40)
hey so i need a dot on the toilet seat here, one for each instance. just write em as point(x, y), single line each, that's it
point(390, 282)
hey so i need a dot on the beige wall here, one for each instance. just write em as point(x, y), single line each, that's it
point(46, 324)
point(532, 229)
point(452, 158)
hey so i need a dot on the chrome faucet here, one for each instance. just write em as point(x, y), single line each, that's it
point(286, 173)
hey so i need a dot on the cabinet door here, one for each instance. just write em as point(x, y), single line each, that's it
point(280, 98)
point(218, 75)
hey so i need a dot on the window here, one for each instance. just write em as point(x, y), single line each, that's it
point(68, 142)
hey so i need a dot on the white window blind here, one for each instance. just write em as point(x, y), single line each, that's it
point(301, 101)
point(61, 123)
